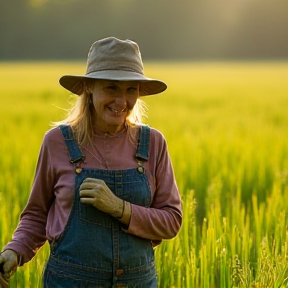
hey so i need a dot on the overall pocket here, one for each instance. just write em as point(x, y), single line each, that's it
point(90, 214)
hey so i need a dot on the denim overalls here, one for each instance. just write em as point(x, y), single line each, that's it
point(93, 251)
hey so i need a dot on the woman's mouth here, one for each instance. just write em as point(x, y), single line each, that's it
point(116, 111)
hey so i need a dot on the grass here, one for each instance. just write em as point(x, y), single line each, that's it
point(226, 127)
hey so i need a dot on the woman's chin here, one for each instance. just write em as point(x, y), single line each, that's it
point(115, 122)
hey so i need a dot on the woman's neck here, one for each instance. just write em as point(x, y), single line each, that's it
point(109, 129)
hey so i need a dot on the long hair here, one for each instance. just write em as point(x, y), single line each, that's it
point(80, 116)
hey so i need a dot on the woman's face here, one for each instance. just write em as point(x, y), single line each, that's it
point(113, 100)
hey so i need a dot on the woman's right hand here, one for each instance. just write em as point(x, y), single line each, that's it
point(8, 263)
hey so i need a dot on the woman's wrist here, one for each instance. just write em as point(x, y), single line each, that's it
point(117, 208)
point(122, 212)
point(125, 219)
point(123, 208)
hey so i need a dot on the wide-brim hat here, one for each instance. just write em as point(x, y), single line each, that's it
point(114, 59)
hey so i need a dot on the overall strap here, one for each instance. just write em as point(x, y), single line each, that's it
point(143, 143)
point(74, 151)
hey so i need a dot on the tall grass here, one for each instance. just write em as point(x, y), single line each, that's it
point(226, 127)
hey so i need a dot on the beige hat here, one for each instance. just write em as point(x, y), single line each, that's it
point(114, 59)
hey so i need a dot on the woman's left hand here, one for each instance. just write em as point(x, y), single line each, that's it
point(96, 192)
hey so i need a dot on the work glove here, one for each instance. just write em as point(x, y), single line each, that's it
point(8, 266)
point(95, 192)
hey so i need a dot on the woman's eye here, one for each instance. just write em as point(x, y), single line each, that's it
point(132, 89)
point(112, 87)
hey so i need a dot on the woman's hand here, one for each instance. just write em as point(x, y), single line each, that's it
point(8, 264)
point(96, 192)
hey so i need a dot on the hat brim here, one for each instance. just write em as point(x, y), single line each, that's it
point(148, 86)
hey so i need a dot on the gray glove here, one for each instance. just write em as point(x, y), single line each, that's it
point(95, 192)
point(8, 266)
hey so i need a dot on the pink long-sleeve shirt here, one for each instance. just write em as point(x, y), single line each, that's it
point(52, 195)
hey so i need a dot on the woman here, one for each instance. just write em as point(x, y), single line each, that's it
point(104, 192)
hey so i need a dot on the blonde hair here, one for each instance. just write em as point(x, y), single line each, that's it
point(79, 116)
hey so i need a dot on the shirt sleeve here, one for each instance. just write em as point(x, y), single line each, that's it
point(30, 234)
point(163, 219)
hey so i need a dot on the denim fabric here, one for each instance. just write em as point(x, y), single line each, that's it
point(74, 151)
point(93, 251)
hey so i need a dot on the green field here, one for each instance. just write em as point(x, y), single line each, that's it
point(226, 125)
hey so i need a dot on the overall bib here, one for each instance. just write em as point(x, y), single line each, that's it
point(93, 251)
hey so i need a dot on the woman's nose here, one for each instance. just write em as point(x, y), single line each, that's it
point(120, 100)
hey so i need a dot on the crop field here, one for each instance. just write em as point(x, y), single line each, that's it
point(226, 124)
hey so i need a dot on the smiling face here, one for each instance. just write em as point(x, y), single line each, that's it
point(113, 100)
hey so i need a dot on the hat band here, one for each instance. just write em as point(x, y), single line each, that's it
point(129, 65)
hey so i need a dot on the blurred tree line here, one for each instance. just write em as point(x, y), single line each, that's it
point(182, 29)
